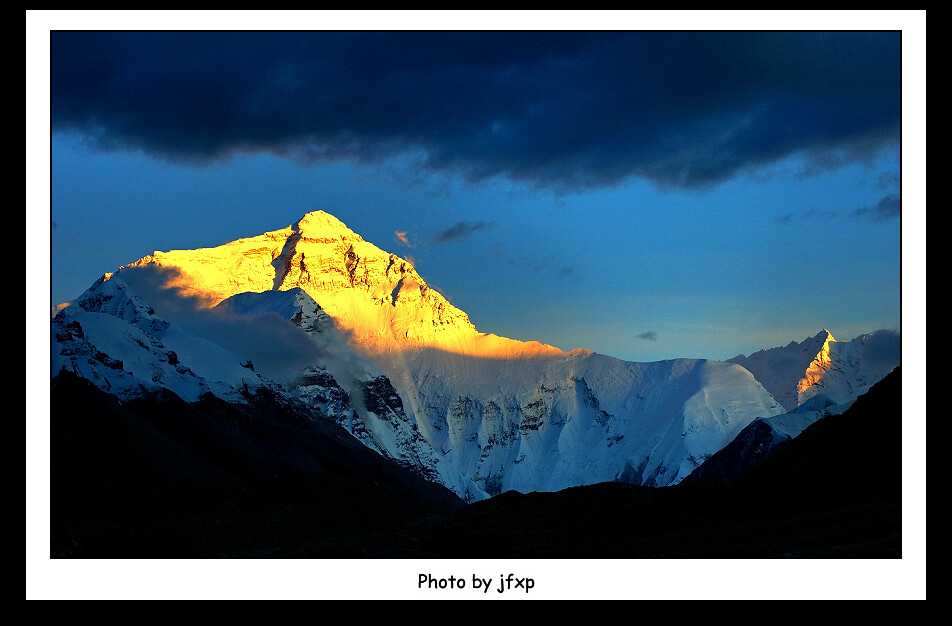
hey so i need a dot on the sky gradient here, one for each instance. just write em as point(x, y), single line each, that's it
point(647, 195)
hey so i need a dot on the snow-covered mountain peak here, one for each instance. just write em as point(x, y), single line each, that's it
point(376, 297)
point(824, 338)
point(820, 364)
point(323, 225)
point(321, 316)
point(112, 337)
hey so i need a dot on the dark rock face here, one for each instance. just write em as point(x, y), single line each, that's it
point(381, 398)
point(750, 448)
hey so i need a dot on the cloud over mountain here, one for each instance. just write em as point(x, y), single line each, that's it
point(564, 110)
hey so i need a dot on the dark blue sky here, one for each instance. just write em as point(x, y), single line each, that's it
point(647, 195)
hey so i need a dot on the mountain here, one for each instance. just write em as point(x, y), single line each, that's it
point(316, 315)
point(155, 476)
point(158, 477)
point(834, 492)
point(821, 365)
point(761, 438)
point(801, 376)
point(814, 379)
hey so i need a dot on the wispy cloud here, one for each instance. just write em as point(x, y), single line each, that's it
point(459, 230)
point(540, 264)
point(888, 180)
point(401, 236)
point(812, 214)
point(888, 208)
point(822, 215)
point(277, 348)
point(648, 336)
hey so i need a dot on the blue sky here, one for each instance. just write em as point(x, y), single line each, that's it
point(647, 195)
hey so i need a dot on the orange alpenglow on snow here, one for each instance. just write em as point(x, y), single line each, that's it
point(375, 296)
point(817, 369)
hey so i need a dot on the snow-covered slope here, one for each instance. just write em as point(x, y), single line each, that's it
point(814, 379)
point(839, 370)
point(553, 422)
point(340, 383)
point(544, 422)
point(763, 437)
point(111, 337)
point(792, 423)
point(319, 314)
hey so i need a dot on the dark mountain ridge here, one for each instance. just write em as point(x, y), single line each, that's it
point(159, 477)
point(832, 492)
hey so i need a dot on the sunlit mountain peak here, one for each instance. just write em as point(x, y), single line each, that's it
point(818, 367)
point(821, 365)
point(320, 224)
point(376, 297)
point(327, 314)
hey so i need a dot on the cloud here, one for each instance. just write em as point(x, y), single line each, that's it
point(822, 215)
point(888, 180)
point(401, 236)
point(888, 208)
point(278, 349)
point(648, 336)
point(566, 110)
point(883, 347)
point(545, 263)
point(810, 214)
point(459, 230)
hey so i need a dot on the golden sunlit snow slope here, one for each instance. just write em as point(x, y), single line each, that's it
point(375, 296)
point(815, 371)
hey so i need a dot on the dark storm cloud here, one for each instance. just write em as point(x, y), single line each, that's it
point(459, 230)
point(565, 110)
point(888, 208)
